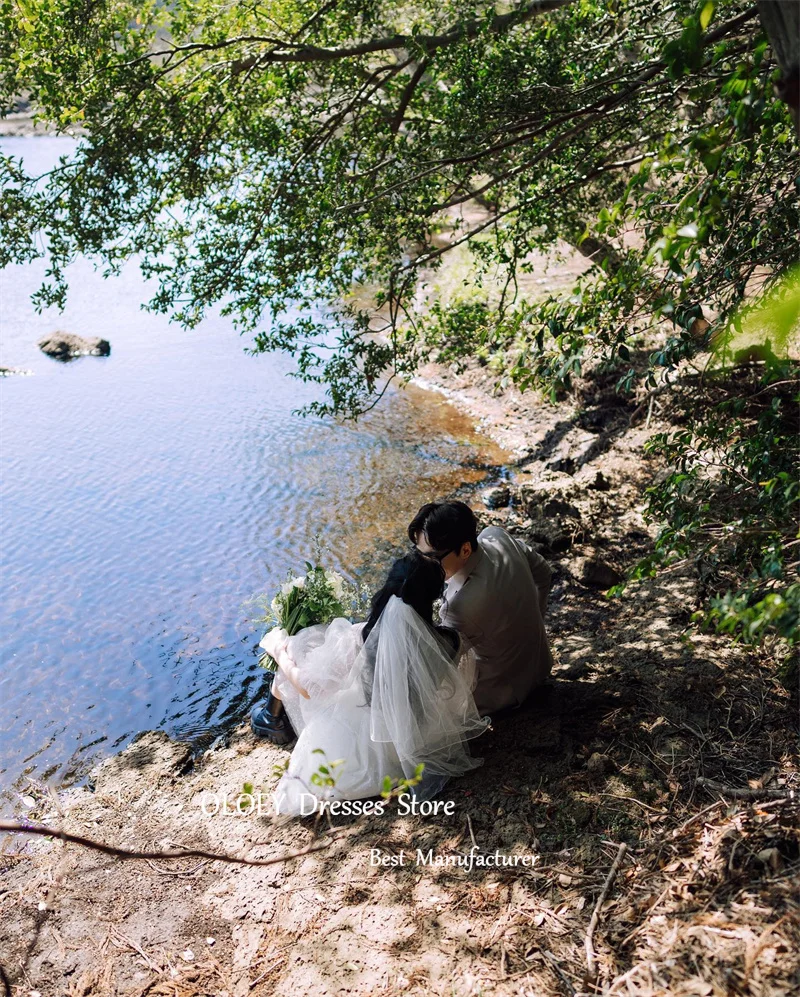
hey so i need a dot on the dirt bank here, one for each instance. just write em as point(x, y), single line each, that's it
point(638, 710)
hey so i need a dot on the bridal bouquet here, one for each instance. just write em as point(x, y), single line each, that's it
point(318, 596)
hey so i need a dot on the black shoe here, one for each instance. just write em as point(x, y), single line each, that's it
point(270, 721)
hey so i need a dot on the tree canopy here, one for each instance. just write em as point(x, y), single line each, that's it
point(270, 158)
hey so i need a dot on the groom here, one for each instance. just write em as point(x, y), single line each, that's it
point(495, 596)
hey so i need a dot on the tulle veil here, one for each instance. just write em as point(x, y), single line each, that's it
point(403, 696)
point(421, 698)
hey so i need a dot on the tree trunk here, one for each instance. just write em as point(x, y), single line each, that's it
point(781, 21)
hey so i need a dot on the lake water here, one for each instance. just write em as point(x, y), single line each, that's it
point(146, 498)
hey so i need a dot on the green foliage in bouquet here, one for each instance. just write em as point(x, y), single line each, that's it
point(317, 597)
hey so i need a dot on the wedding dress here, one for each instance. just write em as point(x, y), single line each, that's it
point(378, 708)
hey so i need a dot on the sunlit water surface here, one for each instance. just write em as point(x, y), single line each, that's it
point(148, 497)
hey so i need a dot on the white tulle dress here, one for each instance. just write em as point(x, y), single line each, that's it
point(379, 708)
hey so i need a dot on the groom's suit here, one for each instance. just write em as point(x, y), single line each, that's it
point(497, 601)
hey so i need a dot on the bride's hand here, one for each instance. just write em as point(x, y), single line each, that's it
point(274, 641)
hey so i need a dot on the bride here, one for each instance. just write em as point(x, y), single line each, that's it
point(377, 698)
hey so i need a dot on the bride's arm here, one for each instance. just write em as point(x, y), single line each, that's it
point(289, 668)
point(276, 643)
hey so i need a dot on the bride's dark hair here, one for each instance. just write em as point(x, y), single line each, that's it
point(419, 581)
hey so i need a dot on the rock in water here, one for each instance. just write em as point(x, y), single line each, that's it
point(11, 371)
point(66, 345)
point(497, 498)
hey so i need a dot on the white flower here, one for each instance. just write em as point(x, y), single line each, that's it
point(336, 583)
point(295, 583)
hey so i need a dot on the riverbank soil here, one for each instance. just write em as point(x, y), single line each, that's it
point(680, 745)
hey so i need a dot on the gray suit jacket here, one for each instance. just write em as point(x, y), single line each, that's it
point(497, 602)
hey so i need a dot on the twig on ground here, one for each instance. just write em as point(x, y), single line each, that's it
point(590, 953)
point(632, 799)
point(677, 831)
point(126, 853)
point(268, 970)
point(182, 873)
point(120, 940)
point(743, 793)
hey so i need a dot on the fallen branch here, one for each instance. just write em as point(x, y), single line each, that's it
point(127, 853)
point(590, 953)
point(744, 793)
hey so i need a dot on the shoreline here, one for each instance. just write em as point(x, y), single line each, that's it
point(483, 410)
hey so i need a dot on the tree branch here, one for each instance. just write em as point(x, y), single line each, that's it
point(590, 113)
point(604, 168)
point(408, 93)
point(290, 52)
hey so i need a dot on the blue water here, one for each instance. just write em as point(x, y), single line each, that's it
point(147, 497)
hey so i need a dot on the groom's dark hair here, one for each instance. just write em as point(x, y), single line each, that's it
point(445, 525)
